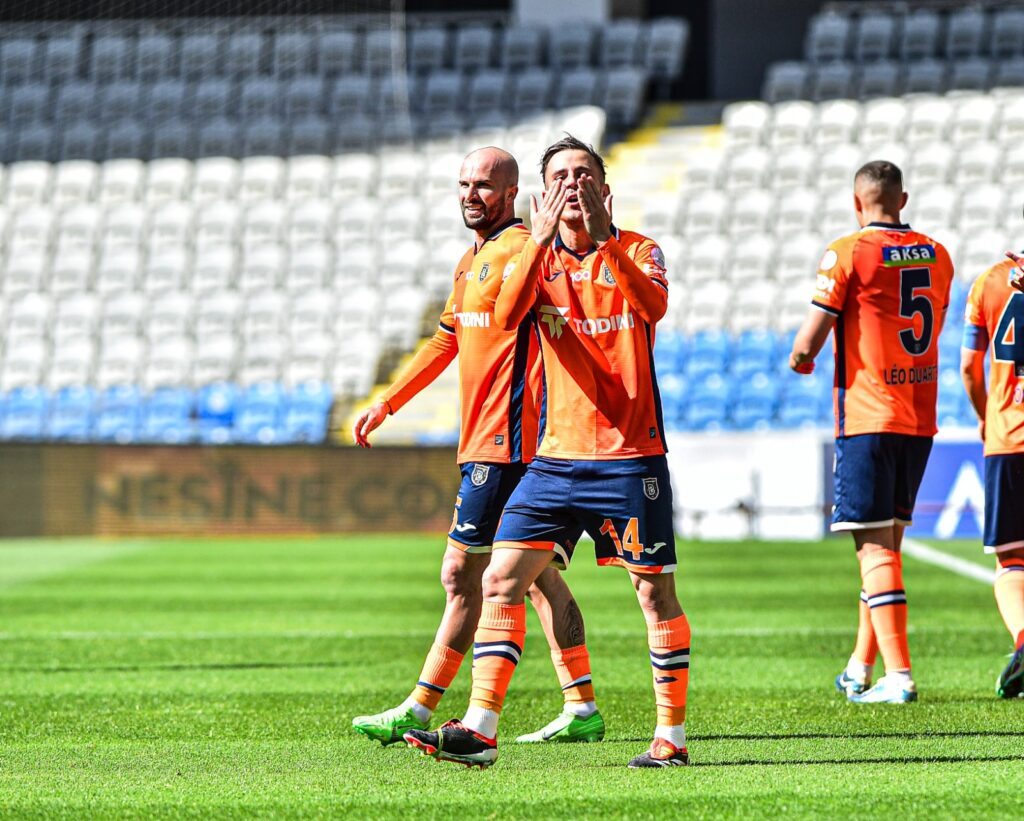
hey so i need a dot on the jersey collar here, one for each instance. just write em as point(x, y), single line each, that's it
point(559, 245)
point(497, 232)
point(888, 226)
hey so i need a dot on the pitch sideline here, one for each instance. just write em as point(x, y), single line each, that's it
point(962, 567)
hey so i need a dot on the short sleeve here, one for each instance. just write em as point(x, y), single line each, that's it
point(651, 260)
point(833, 279)
point(975, 326)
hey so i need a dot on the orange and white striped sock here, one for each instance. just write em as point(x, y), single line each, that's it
point(881, 571)
point(573, 668)
point(439, 669)
point(1009, 590)
point(669, 643)
point(497, 647)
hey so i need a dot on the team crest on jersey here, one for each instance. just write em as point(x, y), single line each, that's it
point(651, 488)
point(606, 275)
point(479, 475)
point(485, 269)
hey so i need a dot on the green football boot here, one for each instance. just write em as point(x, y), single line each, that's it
point(389, 726)
point(569, 728)
point(1010, 683)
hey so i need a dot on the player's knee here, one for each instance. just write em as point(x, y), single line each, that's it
point(498, 585)
point(657, 597)
point(459, 578)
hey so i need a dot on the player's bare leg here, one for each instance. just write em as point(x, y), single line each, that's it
point(856, 677)
point(497, 647)
point(668, 637)
point(881, 567)
point(562, 621)
point(461, 575)
point(1009, 593)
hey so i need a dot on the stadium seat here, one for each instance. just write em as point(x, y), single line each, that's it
point(111, 58)
point(71, 414)
point(167, 365)
point(966, 33)
point(307, 413)
point(709, 353)
point(828, 38)
point(259, 414)
point(756, 352)
point(570, 47)
point(786, 81)
point(154, 56)
point(665, 47)
point(925, 77)
point(879, 79)
point(24, 413)
point(118, 415)
point(832, 80)
point(199, 54)
point(972, 74)
point(165, 100)
point(168, 416)
point(243, 54)
point(620, 44)
point(919, 37)
point(28, 103)
point(875, 37)
point(522, 47)
point(755, 403)
point(61, 58)
point(336, 52)
point(19, 60)
point(838, 121)
point(292, 53)
point(474, 47)
point(709, 404)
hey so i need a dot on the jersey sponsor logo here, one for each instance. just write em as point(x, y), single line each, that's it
point(604, 324)
point(479, 475)
point(551, 276)
point(554, 318)
point(484, 271)
point(580, 275)
point(473, 319)
point(894, 256)
point(651, 490)
point(828, 260)
point(824, 284)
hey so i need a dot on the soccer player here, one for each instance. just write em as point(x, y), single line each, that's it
point(995, 322)
point(499, 381)
point(595, 293)
point(884, 291)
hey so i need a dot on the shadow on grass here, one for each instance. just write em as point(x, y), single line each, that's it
point(931, 759)
point(840, 736)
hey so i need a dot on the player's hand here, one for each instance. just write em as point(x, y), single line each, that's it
point(597, 210)
point(369, 420)
point(1017, 274)
point(801, 365)
point(544, 217)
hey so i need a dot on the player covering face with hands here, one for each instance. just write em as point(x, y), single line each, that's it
point(499, 386)
point(594, 294)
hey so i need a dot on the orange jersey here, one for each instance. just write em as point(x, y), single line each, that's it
point(595, 318)
point(499, 370)
point(888, 287)
point(995, 320)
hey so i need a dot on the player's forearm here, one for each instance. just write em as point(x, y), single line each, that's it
point(642, 293)
point(811, 337)
point(426, 365)
point(972, 372)
point(519, 291)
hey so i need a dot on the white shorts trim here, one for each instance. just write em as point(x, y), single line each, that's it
point(1004, 548)
point(839, 526)
point(903, 522)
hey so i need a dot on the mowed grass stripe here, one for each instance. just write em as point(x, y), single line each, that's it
point(217, 678)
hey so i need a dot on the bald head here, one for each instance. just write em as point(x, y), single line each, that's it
point(497, 162)
point(488, 184)
point(878, 192)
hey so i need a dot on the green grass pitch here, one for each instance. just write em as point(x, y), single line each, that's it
point(218, 678)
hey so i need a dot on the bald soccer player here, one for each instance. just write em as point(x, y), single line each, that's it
point(499, 388)
point(595, 293)
point(883, 291)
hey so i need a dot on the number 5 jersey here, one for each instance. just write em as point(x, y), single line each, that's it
point(888, 287)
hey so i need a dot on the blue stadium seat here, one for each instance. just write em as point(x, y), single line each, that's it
point(216, 407)
point(756, 352)
point(755, 404)
point(24, 414)
point(708, 408)
point(260, 411)
point(709, 353)
point(71, 414)
point(308, 412)
point(804, 401)
point(119, 414)
point(674, 390)
point(670, 352)
point(167, 416)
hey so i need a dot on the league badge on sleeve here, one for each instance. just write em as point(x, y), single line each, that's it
point(479, 475)
point(651, 488)
point(658, 258)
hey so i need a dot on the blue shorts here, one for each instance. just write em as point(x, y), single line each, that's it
point(625, 505)
point(483, 493)
point(1004, 512)
point(876, 479)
